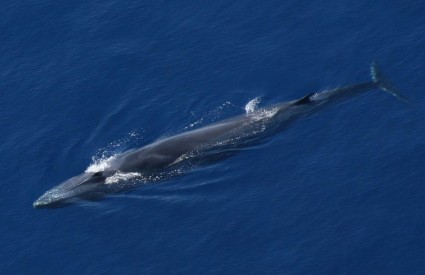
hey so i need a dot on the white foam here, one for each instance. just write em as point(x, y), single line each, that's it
point(101, 164)
point(251, 106)
point(266, 113)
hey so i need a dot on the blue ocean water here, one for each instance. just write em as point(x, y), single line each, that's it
point(339, 193)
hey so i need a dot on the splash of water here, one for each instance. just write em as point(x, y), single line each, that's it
point(252, 106)
point(100, 164)
point(265, 114)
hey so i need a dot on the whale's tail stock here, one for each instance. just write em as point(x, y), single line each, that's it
point(383, 83)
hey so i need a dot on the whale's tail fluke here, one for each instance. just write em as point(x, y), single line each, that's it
point(382, 82)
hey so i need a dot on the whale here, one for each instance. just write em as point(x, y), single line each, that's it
point(168, 157)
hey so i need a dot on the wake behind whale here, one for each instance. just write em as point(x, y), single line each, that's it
point(175, 155)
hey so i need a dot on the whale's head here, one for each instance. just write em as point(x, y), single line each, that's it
point(87, 186)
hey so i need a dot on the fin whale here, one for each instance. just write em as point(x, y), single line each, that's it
point(196, 145)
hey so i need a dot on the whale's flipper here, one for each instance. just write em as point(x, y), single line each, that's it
point(382, 82)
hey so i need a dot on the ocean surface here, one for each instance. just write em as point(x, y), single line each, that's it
point(341, 192)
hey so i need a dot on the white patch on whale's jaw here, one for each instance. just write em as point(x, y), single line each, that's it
point(121, 176)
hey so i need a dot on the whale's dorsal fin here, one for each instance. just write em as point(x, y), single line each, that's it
point(304, 100)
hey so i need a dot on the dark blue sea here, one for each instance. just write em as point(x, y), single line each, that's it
point(340, 192)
